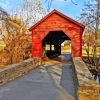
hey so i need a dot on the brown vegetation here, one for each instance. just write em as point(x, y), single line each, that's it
point(17, 41)
point(14, 31)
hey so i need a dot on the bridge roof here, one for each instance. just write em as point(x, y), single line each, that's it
point(60, 14)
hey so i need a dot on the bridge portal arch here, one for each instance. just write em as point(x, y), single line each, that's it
point(52, 43)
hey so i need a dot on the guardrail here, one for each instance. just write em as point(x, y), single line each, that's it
point(11, 72)
point(87, 89)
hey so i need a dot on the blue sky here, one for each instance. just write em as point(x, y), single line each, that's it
point(66, 7)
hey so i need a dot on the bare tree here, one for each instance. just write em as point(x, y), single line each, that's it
point(50, 3)
point(90, 17)
point(30, 12)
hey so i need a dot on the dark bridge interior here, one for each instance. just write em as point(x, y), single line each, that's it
point(52, 43)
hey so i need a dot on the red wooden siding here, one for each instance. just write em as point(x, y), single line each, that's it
point(56, 21)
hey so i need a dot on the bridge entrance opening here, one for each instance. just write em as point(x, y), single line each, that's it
point(52, 43)
point(66, 47)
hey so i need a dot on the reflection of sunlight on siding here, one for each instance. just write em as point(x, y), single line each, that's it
point(47, 47)
point(52, 47)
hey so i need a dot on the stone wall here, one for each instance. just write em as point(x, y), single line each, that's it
point(14, 71)
point(87, 89)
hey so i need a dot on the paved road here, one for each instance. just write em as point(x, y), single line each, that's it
point(49, 82)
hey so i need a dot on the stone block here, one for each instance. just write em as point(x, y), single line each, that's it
point(11, 72)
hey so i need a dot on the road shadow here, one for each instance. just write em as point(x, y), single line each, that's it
point(60, 71)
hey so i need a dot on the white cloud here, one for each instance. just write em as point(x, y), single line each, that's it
point(59, 1)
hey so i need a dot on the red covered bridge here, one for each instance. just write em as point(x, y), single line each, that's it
point(54, 29)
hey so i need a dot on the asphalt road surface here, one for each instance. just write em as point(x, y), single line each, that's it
point(49, 82)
